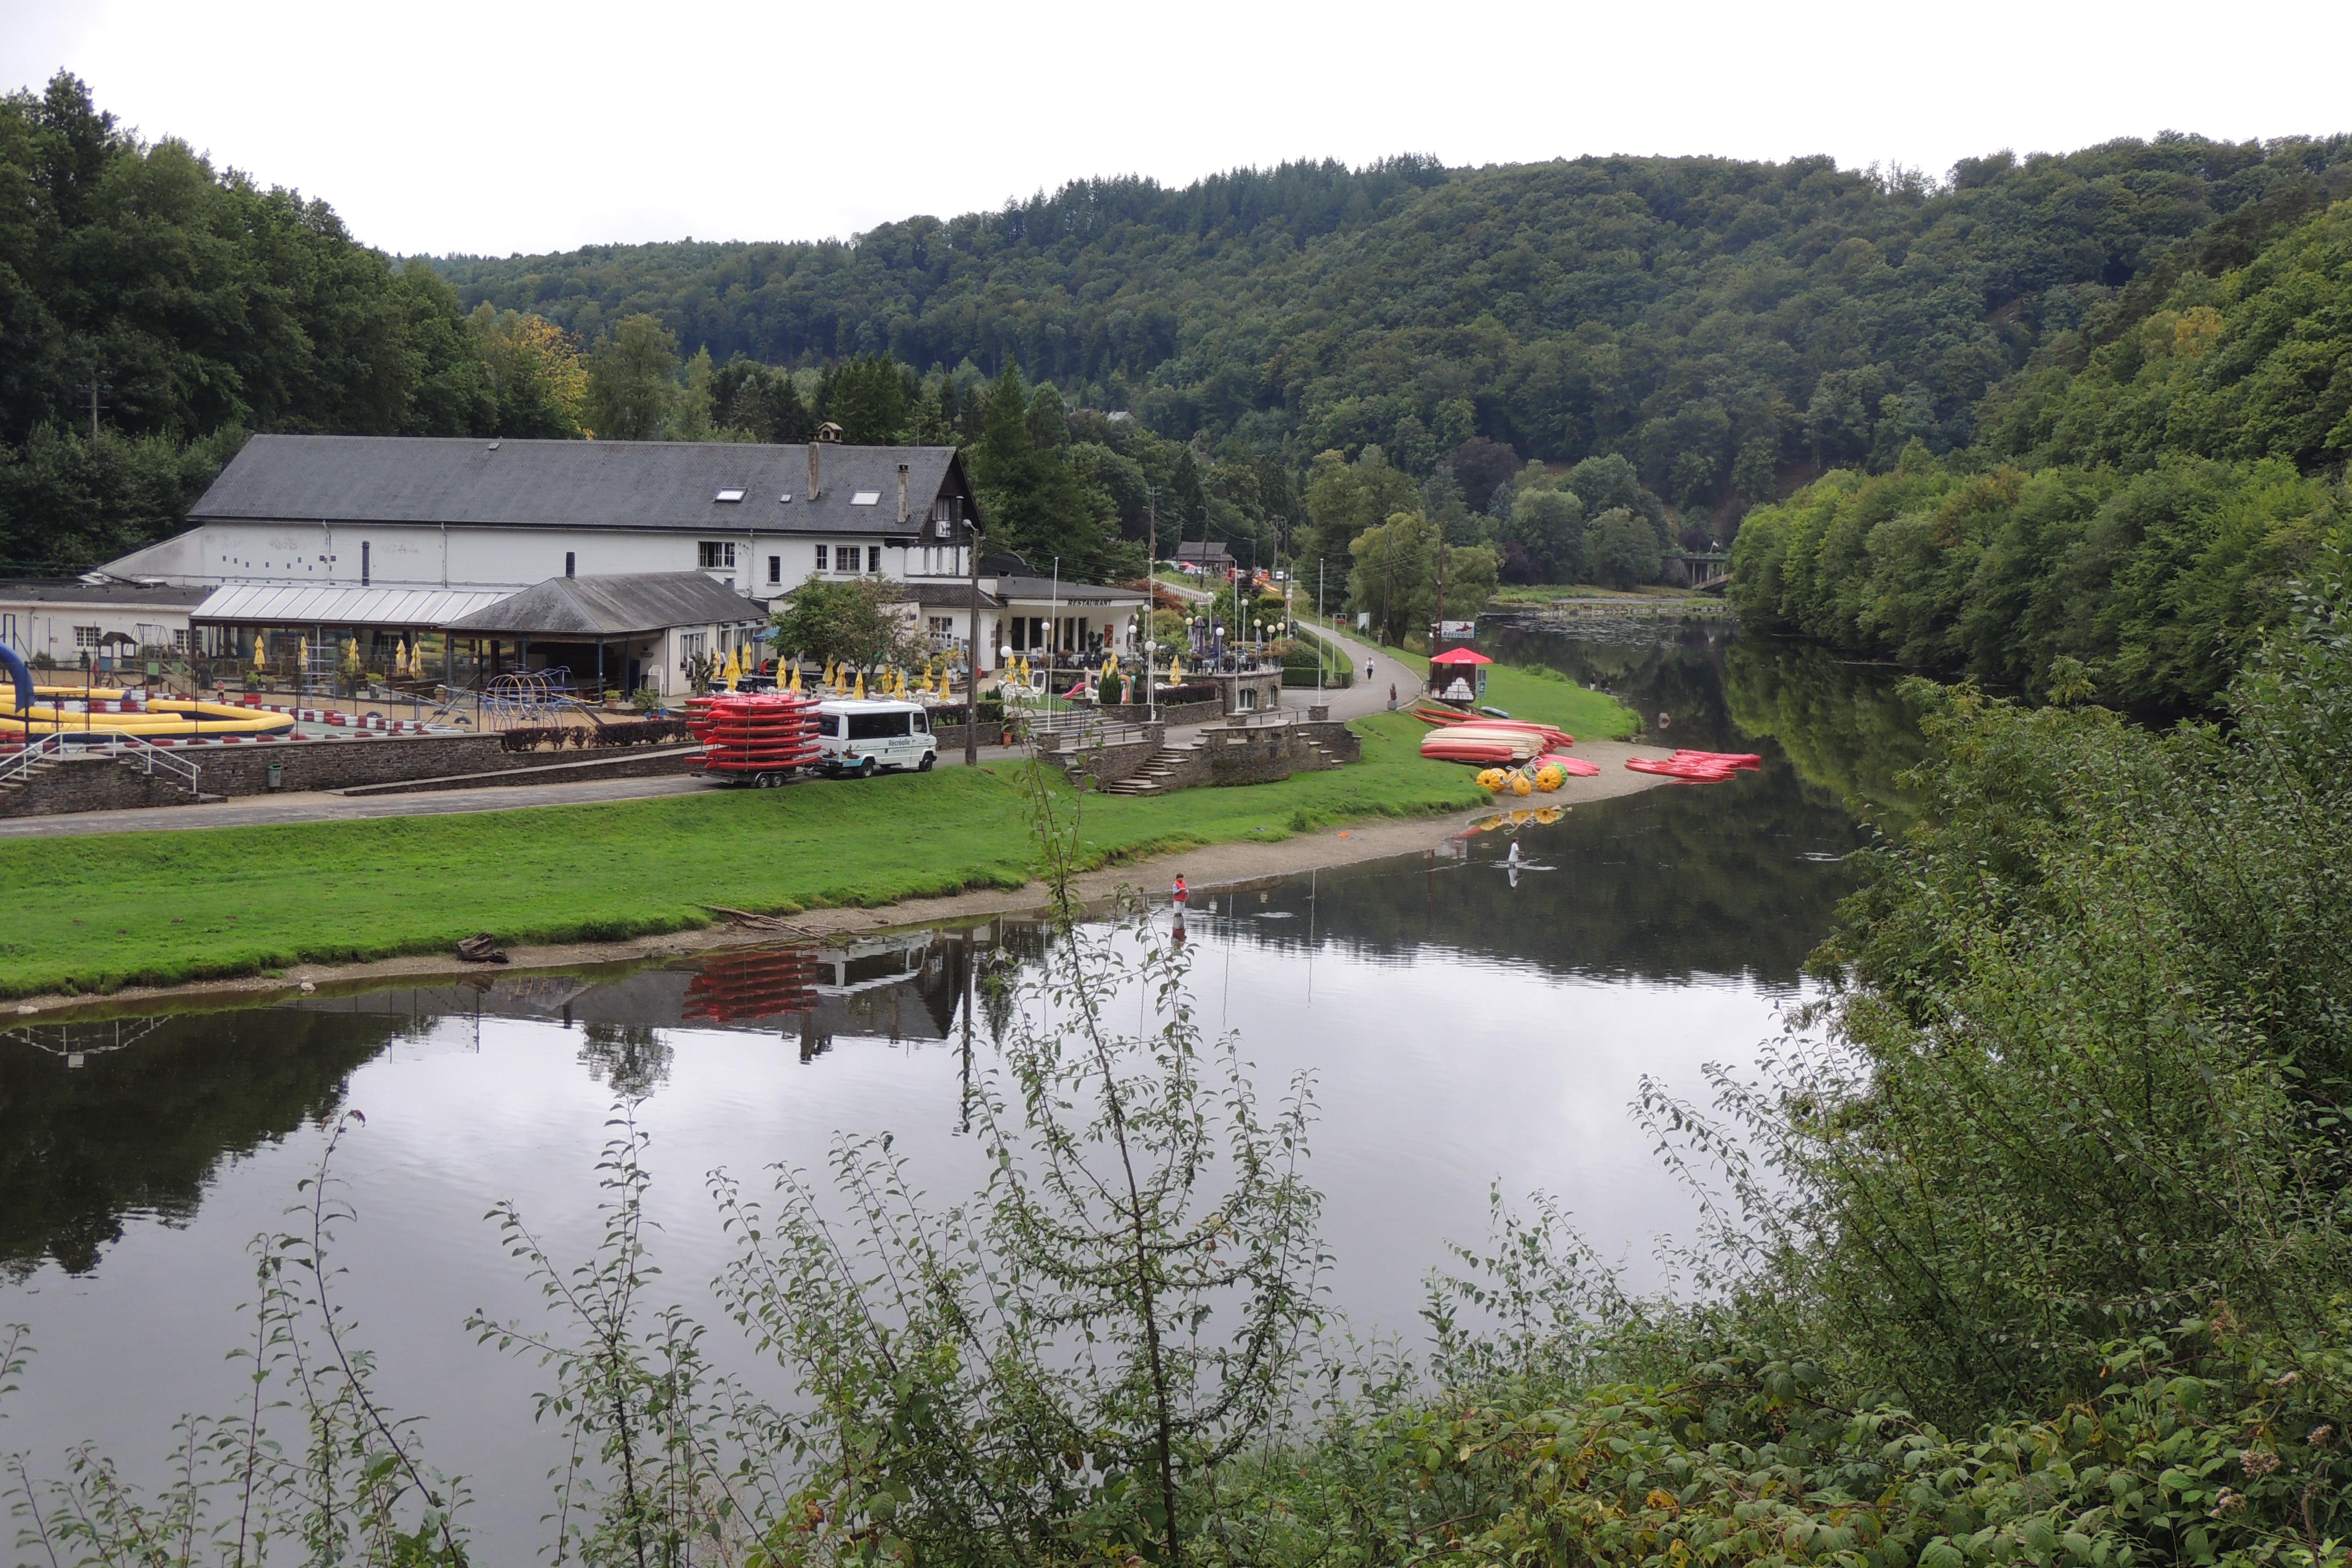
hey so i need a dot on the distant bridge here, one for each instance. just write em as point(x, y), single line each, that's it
point(1700, 572)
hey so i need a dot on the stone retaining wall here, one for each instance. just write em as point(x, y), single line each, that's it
point(103, 784)
point(1261, 754)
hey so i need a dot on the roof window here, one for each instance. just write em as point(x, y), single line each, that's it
point(728, 495)
point(866, 498)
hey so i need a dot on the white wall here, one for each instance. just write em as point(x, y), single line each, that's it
point(49, 628)
point(410, 555)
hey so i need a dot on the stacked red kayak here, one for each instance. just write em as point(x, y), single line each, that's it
point(1697, 767)
point(1487, 742)
point(769, 733)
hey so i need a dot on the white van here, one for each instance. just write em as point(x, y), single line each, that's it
point(862, 738)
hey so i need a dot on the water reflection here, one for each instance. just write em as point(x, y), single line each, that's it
point(100, 1122)
point(1838, 722)
point(1465, 1023)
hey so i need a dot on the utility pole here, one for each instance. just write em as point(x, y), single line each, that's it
point(972, 663)
point(1151, 602)
point(93, 408)
point(1441, 582)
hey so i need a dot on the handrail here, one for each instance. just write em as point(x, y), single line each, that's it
point(119, 746)
point(20, 763)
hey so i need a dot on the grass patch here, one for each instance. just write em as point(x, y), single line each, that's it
point(168, 907)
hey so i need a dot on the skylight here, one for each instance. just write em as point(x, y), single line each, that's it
point(728, 495)
point(866, 498)
point(785, 499)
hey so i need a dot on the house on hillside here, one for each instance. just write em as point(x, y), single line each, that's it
point(1210, 558)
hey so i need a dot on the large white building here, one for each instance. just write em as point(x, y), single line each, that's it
point(396, 536)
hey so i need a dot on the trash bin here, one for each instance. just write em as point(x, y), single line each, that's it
point(276, 777)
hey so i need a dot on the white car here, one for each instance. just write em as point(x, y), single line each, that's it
point(862, 738)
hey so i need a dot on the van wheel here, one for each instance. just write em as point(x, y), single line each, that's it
point(866, 769)
point(925, 765)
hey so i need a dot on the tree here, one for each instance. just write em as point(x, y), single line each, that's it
point(1343, 500)
point(632, 381)
point(691, 409)
point(1394, 576)
point(1036, 506)
point(1545, 531)
point(1755, 475)
point(867, 398)
point(860, 624)
point(1479, 464)
point(538, 384)
point(1621, 550)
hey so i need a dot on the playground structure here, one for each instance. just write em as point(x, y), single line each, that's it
point(519, 698)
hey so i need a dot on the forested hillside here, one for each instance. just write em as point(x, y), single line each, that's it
point(1682, 312)
point(2078, 405)
point(2139, 502)
point(191, 305)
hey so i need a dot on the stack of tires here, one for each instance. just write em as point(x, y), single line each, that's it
point(756, 739)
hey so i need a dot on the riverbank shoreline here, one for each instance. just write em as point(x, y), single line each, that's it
point(1235, 863)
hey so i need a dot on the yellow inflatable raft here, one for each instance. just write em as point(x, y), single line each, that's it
point(164, 717)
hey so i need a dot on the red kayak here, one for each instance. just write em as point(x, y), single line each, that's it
point(1727, 759)
point(1576, 767)
point(1688, 770)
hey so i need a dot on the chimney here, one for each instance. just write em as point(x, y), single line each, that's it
point(902, 493)
point(816, 476)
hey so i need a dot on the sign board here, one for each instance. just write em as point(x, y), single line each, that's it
point(1363, 620)
point(1457, 628)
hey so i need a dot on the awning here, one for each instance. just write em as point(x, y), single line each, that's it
point(1461, 655)
point(263, 604)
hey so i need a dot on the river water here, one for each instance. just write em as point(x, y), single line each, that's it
point(1468, 1026)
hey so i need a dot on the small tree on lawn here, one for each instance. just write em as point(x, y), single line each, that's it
point(855, 624)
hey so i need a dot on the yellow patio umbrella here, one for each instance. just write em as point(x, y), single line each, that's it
point(861, 685)
point(257, 651)
point(943, 686)
point(795, 687)
point(733, 671)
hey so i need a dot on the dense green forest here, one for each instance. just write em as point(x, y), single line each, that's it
point(2078, 406)
point(2135, 508)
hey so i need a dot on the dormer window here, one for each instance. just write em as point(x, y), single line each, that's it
point(728, 495)
point(866, 498)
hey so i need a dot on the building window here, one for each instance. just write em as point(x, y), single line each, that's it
point(873, 558)
point(775, 568)
point(180, 639)
point(571, 561)
point(690, 644)
point(85, 637)
point(717, 555)
point(823, 555)
point(943, 625)
point(365, 554)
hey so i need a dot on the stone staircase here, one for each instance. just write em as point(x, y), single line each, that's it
point(1153, 776)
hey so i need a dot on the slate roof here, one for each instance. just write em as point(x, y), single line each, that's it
point(938, 595)
point(72, 591)
point(1215, 549)
point(612, 606)
point(578, 484)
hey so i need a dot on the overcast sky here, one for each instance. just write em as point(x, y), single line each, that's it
point(435, 125)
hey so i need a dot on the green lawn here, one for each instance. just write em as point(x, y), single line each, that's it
point(97, 912)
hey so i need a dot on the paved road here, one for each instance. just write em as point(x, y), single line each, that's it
point(1365, 697)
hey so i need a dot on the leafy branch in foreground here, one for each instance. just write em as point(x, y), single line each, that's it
point(1050, 1370)
point(356, 1489)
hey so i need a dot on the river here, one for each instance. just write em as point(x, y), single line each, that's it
point(1468, 1026)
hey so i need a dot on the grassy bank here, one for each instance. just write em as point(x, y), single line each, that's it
point(167, 908)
